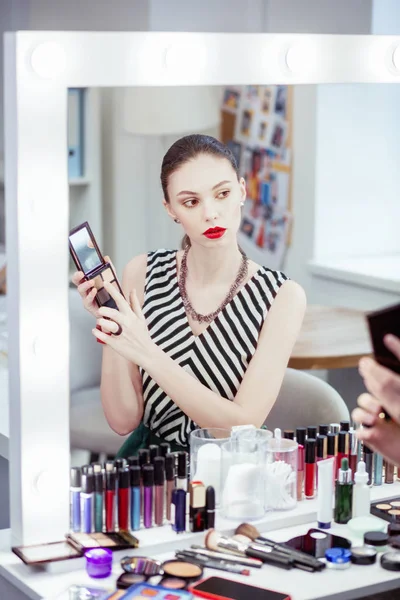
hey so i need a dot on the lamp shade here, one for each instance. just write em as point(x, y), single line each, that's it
point(170, 110)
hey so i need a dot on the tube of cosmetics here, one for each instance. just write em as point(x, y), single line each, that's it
point(87, 503)
point(75, 499)
point(344, 425)
point(312, 432)
point(325, 492)
point(343, 446)
point(344, 493)
point(210, 507)
point(110, 500)
point(321, 452)
point(301, 435)
point(309, 480)
point(197, 506)
point(334, 428)
point(300, 472)
point(368, 458)
point(323, 429)
point(378, 469)
point(154, 451)
point(353, 448)
point(98, 501)
point(331, 451)
point(389, 472)
point(288, 434)
point(159, 489)
point(165, 449)
point(133, 461)
point(123, 498)
point(87, 469)
point(181, 480)
point(119, 463)
point(179, 510)
point(170, 483)
point(148, 484)
point(135, 474)
point(144, 459)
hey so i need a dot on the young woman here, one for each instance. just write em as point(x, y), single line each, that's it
point(203, 335)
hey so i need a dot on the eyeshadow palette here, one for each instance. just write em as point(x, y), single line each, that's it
point(43, 553)
point(144, 591)
point(113, 541)
point(389, 510)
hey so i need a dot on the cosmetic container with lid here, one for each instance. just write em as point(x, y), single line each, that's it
point(338, 558)
point(378, 540)
point(205, 456)
point(361, 492)
point(99, 562)
point(363, 555)
point(391, 561)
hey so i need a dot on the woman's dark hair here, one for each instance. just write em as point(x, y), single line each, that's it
point(186, 149)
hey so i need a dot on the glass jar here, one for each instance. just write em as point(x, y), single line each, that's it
point(281, 474)
point(205, 456)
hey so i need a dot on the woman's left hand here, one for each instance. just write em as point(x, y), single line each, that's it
point(134, 342)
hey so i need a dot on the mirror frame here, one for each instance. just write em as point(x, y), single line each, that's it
point(39, 67)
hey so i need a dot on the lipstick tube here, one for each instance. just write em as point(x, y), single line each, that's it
point(154, 451)
point(170, 483)
point(353, 450)
point(123, 499)
point(135, 474)
point(159, 489)
point(312, 432)
point(343, 446)
point(197, 506)
point(181, 480)
point(87, 503)
point(110, 500)
point(389, 472)
point(300, 472)
point(309, 482)
point(75, 499)
point(369, 462)
point(98, 501)
point(148, 484)
point(178, 515)
point(210, 507)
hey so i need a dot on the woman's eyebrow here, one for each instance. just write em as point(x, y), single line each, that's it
point(184, 192)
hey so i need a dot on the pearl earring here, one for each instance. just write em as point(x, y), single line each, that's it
point(176, 221)
point(242, 203)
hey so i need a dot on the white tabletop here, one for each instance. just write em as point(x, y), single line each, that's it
point(160, 543)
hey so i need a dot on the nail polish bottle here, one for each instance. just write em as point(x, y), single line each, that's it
point(159, 489)
point(148, 484)
point(344, 493)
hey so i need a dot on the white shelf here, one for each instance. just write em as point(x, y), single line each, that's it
point(76, 181)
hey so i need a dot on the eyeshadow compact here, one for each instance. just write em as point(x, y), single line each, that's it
point(44, 553)
point(88, 259)
point(141, 565)
point(389, 510)
point(120, 540)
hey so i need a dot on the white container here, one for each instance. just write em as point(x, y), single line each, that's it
point(361, 492)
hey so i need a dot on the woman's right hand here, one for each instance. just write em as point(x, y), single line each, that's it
point(87, 292)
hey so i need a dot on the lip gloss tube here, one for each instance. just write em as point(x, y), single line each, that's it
point(179, 510)
point(133, 461)
point(344, 425)
point(334, 427)
point(75, 499)
point(288, 434)
point(148, 484)
point(170, 483)
point(154, 451)
point(87, 503)
point(353, 449)
point(321, 453)
point(181, 480)
point(378, 469)
point(159, 489)
point(98, 501)
point(343, 445)
point(144, 459)
point(135, 474)
point(309, 483)
point(110, 500)
point(323, 429)
point(312, 432)
point(331, 451)
point(165, 448)
point(123, 499)
point(389, 472)
point(301, 435)
point(300, 472)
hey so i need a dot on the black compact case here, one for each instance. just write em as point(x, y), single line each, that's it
point(380, 323)
point(88, 259)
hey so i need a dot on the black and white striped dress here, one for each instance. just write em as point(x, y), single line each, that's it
point(218, 357)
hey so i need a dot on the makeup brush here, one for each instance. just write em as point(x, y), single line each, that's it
point(299, 558)
point(216, 541)
point(234, 558)
point(212, 563)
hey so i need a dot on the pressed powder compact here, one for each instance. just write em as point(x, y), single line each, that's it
point(388, 510)
point(181, 569)
point(88, 259)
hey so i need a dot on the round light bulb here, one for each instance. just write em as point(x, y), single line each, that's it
point(48, 60)
point(396, 58)
point(300, 58)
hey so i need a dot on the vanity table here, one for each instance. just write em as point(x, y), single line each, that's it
point(160, 543)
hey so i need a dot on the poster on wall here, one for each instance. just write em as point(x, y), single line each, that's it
point(259, 138)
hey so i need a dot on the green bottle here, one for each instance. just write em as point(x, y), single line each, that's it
point(344, 494)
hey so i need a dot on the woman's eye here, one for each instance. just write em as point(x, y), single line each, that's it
point(224, 194)
point(191, 203)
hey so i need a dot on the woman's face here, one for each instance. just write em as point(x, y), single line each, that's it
point(205, 193)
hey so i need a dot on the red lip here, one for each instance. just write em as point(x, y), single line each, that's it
point(214, 230)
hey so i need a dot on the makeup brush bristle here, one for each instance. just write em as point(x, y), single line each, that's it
point(210, 541)
point(247, 530)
